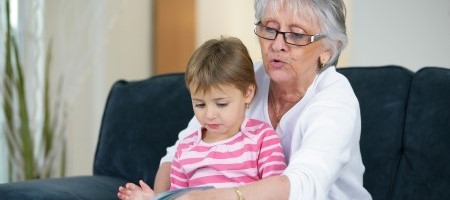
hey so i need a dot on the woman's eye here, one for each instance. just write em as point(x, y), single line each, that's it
point(296, 36)
point(269, 30)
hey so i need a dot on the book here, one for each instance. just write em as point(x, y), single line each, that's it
point(172, 194)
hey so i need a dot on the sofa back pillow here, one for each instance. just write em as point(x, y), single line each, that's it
point(140, 120)
point(424, 171)
point(382, 93)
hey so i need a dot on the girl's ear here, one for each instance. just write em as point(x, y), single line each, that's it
point(250, 93)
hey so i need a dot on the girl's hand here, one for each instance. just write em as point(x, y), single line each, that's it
point(134, 192)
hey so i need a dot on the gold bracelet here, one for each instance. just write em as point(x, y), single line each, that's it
point(239, 193)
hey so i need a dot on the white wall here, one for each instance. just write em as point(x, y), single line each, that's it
point(125, 55)
point(411, 33)
point(229, 18)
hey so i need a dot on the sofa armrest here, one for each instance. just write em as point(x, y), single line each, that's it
point(80, 187)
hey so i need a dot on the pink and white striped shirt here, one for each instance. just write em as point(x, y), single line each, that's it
point(252, 154)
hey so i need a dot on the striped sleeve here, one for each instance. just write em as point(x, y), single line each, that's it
point(271, 160)
point(178, 177)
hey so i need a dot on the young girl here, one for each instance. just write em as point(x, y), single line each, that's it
point(227, 149)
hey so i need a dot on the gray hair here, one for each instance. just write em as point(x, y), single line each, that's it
point(329, 14)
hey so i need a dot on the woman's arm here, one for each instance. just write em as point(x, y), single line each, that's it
point(275, 187)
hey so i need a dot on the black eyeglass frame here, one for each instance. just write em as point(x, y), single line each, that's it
point(313, 38)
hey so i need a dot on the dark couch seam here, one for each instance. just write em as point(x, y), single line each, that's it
point(402, 147)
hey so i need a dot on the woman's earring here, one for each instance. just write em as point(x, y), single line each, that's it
point(321, 64)
point(247, 105)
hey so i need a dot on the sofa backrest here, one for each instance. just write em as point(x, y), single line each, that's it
point(137, 126)
point(424, 171)
point(383, 94)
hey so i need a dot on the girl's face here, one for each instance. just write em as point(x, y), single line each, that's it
point(220, 110)
point(285, 62)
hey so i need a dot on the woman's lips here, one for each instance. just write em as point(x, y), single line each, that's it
point(277, 63)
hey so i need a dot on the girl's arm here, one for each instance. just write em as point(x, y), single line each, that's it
point(162, 179)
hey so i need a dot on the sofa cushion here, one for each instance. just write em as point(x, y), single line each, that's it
point(140, 120)
point(82, 187)
point(382, 93)
point(424, 171)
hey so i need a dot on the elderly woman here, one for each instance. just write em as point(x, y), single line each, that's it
point(312, 107)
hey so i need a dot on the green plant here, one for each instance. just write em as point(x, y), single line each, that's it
point(23, 162)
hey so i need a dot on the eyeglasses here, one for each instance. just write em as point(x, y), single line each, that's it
point(297, 39)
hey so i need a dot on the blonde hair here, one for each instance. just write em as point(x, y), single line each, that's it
point(220, 62)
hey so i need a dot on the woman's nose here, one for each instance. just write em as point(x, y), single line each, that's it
point(279, 43)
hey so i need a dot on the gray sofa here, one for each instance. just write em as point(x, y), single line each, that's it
point(405, 139)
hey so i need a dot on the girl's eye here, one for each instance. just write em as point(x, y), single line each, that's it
point(199, 105)
point(221, 105)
